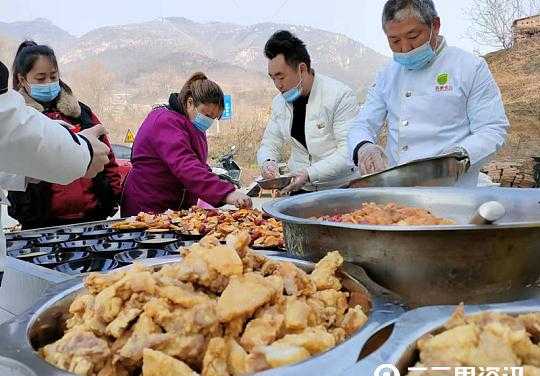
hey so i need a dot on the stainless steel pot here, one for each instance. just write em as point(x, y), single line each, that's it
point(400, 349)
point(426, 265)
point(441, 171)
point(44, 324)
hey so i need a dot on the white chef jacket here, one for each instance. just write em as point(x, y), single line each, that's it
point(454, 101)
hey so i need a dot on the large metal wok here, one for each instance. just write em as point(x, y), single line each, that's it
point(44, 324)
point(426, 264)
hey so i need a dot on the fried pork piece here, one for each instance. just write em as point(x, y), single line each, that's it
point(314, 340)
point(96, 282)
point(328, 308)
point(262, 331)
point(354, 319)
point(488, 339)
point(296, 313)
point(237, 360)
point(117, 327)
point(296, 281)
point(156, 363)
point(243, 295)
point(84, 316)
point(78, 351)
point(324, 273)
point(282, 354)
point(145, 334)
point(189, 349)
point(210, 265)
point(215, 358)
point(111, 369)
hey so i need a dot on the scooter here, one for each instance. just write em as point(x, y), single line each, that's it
point(227, 168)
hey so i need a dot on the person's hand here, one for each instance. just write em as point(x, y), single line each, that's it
point(270, 170)
point(239, 200)
point(300, 179)
point(371, 159)
point(101, 150)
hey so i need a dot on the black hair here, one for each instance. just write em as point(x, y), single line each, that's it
point(293, 49)
point(27, 55)
point(201, 90)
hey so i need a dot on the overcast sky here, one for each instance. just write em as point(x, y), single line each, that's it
point(359, 19)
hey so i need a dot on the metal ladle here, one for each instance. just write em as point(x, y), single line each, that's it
point(488, 213)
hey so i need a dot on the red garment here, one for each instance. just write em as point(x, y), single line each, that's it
point(74, 201)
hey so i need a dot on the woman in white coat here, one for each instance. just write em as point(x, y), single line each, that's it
point(34, 146)
point(435, 98)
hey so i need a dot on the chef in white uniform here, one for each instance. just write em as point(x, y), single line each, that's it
point(434, 97)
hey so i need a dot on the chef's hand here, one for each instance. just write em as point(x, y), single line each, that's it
point(270, 170)
point(371, 159)
point(239, 200)
point(101, 150)
point(300, 179)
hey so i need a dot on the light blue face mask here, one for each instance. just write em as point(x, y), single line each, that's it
point(418, 58)
point(293, 94)
point(45, 92)
point(202, 122)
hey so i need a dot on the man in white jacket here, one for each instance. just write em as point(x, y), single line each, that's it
point(434, 98)
point(312, 114)
point(34, 146)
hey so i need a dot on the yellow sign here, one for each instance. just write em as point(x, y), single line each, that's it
point(130, 137)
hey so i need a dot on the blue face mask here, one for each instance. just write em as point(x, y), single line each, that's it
point(45, 92)
point(293, 94)
point(202, 122)
point(417, 58)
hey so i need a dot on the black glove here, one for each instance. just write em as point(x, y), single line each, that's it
point(4, 76)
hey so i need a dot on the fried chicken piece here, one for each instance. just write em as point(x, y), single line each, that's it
point(78, 351)
point(314, 340)
point(296, 282)
point(117, 327)
point(243, 296)
point(353, 320)
point(239, 241)
point(324, 273)
point(215, 358)
point(296, 313)
point(156, 363)
point(261, 331)
point(493, 349)
point(84, 316)
point(282, 354)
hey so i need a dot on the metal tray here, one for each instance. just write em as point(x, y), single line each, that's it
point(400, 349)
point(43, 322)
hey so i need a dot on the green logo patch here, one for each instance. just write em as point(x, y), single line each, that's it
point(442, 78)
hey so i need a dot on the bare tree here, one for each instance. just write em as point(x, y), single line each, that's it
point(491, 20)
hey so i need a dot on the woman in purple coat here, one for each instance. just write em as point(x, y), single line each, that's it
point(170, 152)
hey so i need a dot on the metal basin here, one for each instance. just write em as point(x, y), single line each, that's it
point(426, 265)
point(45, 323)
point(400, 349)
